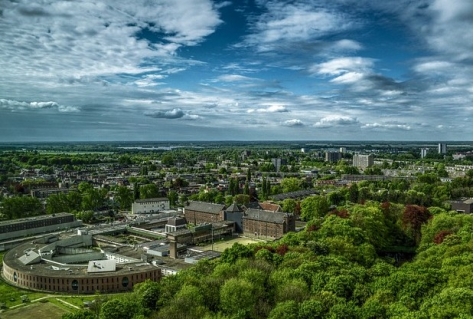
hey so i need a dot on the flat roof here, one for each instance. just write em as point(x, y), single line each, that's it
point(28, 219)
point(101, 266)
point(43, 268)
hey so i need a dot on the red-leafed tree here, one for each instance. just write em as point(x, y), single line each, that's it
point(439, 237)
point(413, 218)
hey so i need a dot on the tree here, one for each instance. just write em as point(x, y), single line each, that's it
point(242, 199)
point(289, 205)
point(314, 207)
point(336, 198)
point(57, 203)
point(148, 293)
point(80, 314)
point(290, 184)
point(353, 194)
point(173, 197)
point(187, 303)
point(237, 297)
point(124, 197)
point(237, 251)
point(149, 191)
point(21, 206)
point(167, 160)
point(285, 310)
point(413, 218)
point(123, 308)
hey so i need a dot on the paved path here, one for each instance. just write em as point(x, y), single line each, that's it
point(67, 303)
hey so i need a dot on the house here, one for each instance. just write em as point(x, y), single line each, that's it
point(150, 205)
point(463, 205)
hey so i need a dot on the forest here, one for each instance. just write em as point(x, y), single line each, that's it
point(371, 260)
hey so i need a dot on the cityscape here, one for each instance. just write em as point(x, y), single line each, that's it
point(118, 217)
point(236, 159)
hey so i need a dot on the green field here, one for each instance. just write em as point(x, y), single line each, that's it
point(37, 310)
point(222, 245)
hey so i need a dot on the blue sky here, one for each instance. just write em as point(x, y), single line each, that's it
point(235, 70)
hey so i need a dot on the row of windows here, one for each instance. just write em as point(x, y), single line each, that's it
point(35, 224)
point(84, 285)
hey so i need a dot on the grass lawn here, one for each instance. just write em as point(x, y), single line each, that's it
point(37, 310)
point(11, 296)
point(222, 245)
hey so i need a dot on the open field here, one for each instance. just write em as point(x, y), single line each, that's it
point(37, 310)
point(222, 245)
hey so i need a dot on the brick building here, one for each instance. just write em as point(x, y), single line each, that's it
point(201, 212)
point(267, 223)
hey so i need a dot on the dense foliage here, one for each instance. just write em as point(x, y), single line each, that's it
point(359, 261)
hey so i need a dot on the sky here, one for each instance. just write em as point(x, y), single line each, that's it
point(202, 70)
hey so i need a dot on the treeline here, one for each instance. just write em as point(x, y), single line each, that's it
point(376, 260)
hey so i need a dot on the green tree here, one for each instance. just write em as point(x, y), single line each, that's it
point(149, 191)
point(353, 194)
point(314, 207)
point(167, 160)
point(148, 293)
point(237, 297)
point(57, 203)
point(290, 184)
point(123, 308)
point(124, 198)
point(289, 205)
point(173, 197)
point(20, 207)
point(80, 314)
point(242, 199)
point(285, 310)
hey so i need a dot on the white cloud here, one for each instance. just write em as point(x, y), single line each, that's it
point(335, 120)
point(53, 39)
point(149, 80)
point(270, 109)
point(299, 21)
point(19, 106)
point(344, 65)
point(349, 77)
point(347, 44)
point(234, 78)
point(386, 126)
point(293, 122)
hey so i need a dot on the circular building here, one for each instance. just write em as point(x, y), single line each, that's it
point(71, 266)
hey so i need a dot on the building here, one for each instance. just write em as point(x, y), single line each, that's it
point(362, 161)
point(442, 148)
point(278, 162)
point(201, 212)
point(267, 223)
point(150, 205)
point(342, 150)
point(29, 267)
point(235, 213)
point(463, 205)
point(332, 157)
point(423, 152)
point(175, 224)
point(37, 225)
point(46, 192)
